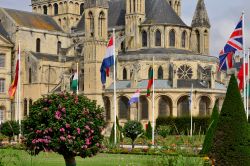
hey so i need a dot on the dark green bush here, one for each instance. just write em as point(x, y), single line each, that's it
point(231, 142)
point(181, 125)
point(148, 133)
point(10, 129)
point(164, 131)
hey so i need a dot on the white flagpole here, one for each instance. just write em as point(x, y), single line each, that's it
point(114, 88)
point(153, 107)
point(19, 89)
point(191, 112)
point(77, 88)
point(244, 62)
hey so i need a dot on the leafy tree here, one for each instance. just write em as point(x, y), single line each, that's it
point(149, 131)
point(68, 124)
point(231, 142)
point(132, 130)
point(10, 129)
point(210, 132)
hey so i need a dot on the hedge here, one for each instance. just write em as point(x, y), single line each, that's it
point(181, 125)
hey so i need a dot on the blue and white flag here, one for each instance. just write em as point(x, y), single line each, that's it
point(135, 97)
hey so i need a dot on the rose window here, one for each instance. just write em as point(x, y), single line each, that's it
point(185, 72)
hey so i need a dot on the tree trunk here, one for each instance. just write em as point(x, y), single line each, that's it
point(133, 144)
point(69, 160)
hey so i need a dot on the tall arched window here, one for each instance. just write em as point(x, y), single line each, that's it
point(150, 72)
point(160, 73)
point(183, 39)
point(91, 23)
point(25, 107)
point(59, 46)
point(165, 106)
point(45, 10)
point(124, 74)
point(2, 114)
point(144, 39)
point(183, 106)
point(172, 38)
point(38, 45)
point(101, 24)
point(198, 43)
point(30, 103)
point(2, 85)
point(157, 38)
point(107, 107)
point(204, 106)
point(55, 9)
point(144, 108)
point(206, 41)
point(30, 76)
point(124, 111)
point(81, 8)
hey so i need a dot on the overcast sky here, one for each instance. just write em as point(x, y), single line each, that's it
point(223, 14)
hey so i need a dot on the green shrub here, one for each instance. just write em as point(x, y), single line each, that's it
point(132, 130)
point(231, 142)
point(148, 133)
point(68, 124)
point(181, 125)
point(164, 131)
point(10, 129)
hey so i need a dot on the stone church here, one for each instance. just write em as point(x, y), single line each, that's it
point(57, 34)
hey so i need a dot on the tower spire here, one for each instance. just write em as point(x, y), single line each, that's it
point(200, 18)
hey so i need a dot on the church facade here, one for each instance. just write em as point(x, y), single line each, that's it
point(58, 34)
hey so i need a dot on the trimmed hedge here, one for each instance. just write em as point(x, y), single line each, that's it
point(181, 125)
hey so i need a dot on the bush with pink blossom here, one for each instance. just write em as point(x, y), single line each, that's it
point(68, 124)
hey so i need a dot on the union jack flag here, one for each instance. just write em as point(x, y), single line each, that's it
point(235, 43)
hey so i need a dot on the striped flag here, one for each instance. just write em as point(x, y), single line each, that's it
point(150, 81)
point(135, 98)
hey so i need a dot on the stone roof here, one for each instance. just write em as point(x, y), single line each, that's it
point(33, 20)
point(4, 33)
point(159, 11)
point(116, 13)
point(49, 57)
point(200, 18)
point(80, 27)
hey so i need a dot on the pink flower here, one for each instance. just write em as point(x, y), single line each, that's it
point(88, 141)
point(38, 131)
point(50, 129)
point(63, 110)
point(69, 136)
point(62, 138)
point(92, 131)
point(84, 146)
point(78, 130)
point(67, 125)
point(62, 130)
point(33, 141)
point(58, 115)
point(87, 127)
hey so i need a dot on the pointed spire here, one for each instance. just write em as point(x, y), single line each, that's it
point(200, 18)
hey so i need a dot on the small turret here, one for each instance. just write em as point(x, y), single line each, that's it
point(200, 18)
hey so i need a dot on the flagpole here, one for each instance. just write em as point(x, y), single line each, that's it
point(77, 88)
point(244, 61)
point(114, 88)
point(191, 112)
point(19, 89)
point(153, 107)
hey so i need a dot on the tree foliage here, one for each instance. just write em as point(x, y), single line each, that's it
point(10, 129)
point(132, 129)
point(149, 131)
point(231, 142)
point(68, 124)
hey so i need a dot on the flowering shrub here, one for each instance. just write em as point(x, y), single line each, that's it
point(65, 123)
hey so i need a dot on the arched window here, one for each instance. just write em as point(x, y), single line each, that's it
point(172, 38)
point(30, 103)
point(144, 39)
point(124, 74)
point(59, 46)
point(25, 107)
point(183, 39)
point(45, 10)
point(91, 23)
point(2, 85)
point(30, 76)
point(124, 111)
point(157, 38)
point(206, 41)
point(55, 9)
point(198, 48)
point(38, 45)
point(150, 72)
point(81, 8)
point(107, 107)
point(160, 73)
point(165, 106)
point(144, 108)
point(101, 24)
point(204, 106)
point(183, 106)
point(2, 114)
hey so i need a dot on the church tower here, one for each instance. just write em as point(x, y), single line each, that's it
point(65, 13)
point(200, 29)
point(176, 5)
point(95, 42)
point(135, 15)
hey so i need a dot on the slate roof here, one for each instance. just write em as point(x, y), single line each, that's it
point(80, 27)
point(116, 13)
point(33, 20)
point(49, 57)
point(159, 51)
point(4, 33)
